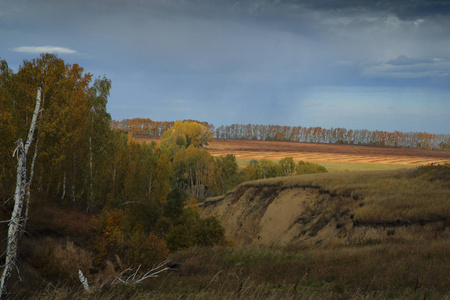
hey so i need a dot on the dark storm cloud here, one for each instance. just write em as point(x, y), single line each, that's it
point(403, 9)
point(256, 61)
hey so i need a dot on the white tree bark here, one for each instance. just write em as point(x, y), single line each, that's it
point(15, 224)
point(28, 187)
point(83, 280)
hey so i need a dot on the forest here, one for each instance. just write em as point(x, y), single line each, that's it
point(143, 196)
point(396, 139)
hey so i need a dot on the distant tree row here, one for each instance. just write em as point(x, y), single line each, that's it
point(396, 139)
point(145, 126)
point(264, 168)
point(365, 137)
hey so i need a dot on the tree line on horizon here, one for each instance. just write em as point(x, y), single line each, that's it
point(395, 139)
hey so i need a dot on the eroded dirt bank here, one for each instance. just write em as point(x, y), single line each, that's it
point(276, 214)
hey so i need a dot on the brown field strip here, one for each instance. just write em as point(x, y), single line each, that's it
point(249, 149)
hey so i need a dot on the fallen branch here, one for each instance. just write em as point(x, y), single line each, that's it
point(130, 275)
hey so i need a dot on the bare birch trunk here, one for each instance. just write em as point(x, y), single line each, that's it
point(14, 227)
point(28, 187)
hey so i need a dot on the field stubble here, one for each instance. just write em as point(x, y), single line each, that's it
point(333, 157)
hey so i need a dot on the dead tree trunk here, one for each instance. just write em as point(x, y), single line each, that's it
point(28, 187)
point(15, 223)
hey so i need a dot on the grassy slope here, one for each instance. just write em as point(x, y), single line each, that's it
point(392, 268)
point(399, 195)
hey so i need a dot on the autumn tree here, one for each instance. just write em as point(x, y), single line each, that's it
point(184, 134)
point(70, 129)
point(16, 221)
point(228, 174)
point(287, 166)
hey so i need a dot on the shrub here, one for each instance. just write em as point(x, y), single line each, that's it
point(309, 168)
point(174, 205)
point(180, 237)
point(209, 232)
point(146, 250)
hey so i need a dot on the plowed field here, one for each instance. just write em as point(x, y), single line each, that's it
point(320, 152)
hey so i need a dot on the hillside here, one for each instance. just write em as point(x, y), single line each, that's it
point(339, 208)
point(349, 235)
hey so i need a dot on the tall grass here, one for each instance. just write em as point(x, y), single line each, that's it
point(392, 268)
point(395, 269)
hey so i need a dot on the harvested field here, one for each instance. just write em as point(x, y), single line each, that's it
point(249, 149)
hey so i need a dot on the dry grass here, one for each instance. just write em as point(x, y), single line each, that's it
point(386, 196)
point(391, 270)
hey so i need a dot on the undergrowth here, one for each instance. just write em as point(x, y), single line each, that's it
point(392, 270)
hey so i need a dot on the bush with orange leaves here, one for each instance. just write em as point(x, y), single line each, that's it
point(146, 250)
point(133, 245)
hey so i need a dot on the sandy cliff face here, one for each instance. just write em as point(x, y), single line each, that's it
point(273, 214)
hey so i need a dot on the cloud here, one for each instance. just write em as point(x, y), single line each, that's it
point(404, 60)
point(404, 67)
point(44, 49)
point(405, 10)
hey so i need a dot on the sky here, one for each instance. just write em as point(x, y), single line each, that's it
point(355, 64)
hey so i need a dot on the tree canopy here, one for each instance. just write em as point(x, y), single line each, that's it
point(185, 134)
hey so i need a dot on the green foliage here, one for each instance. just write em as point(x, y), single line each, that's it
point(269, 168)
point(163, 226)
point(175, 204)
point(251, 173)
point(197, 172)
point(227, 173)
point(259, 169)
point(180, 237)
point(208, 232)
point(144, 214)
point(194, 231)
point(309, 168)
point(287, 166)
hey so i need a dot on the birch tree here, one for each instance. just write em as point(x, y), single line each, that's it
point(15, 223)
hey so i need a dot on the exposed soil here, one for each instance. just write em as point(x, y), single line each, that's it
point(271, 214)
point(320, 152)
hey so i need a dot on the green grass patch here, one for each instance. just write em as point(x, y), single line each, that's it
point(350, 167)
point(340, 166)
